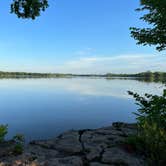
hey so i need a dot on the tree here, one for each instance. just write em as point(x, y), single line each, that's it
point(155, 16)
point(28, 8)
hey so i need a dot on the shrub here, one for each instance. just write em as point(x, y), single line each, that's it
point(151, 120)
point(3, 132)
point(19, 144)
point(18, 140)
point(152, 109)
point(18, 149)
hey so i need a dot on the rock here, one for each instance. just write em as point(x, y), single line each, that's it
point(97, 140)
point(94, 153)
point(2, 164)
point(69, 142)
point(99, 147)
point(6, 148)
point(67, 161)
point(116, 155)
point(109, 131)
point(41, 153)
point(47, 144)
point(99, 164)
point(20, 162)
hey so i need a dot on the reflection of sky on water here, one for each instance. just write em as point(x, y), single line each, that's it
point(114, 88)
point(84, 86)
point(42, 108)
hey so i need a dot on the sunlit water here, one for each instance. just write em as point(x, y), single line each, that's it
point(44, 108)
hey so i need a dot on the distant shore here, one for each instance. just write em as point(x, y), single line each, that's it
point(144, 75)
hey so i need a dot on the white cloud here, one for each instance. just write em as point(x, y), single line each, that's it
point(114, 64)
point(96, 64)
point(86, 51)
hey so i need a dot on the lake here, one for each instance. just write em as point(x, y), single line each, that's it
point(44, 108)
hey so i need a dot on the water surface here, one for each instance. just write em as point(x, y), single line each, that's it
point(44, 108)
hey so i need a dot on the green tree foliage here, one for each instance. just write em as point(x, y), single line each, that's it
point(152, 108)
point(28, 8)
point(151, 115)
point(144, 76)
point(151, 120)
point(155, 16)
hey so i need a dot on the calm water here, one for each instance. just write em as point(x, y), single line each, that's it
point(43, 108)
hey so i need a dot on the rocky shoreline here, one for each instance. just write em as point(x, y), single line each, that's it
point(98, 147)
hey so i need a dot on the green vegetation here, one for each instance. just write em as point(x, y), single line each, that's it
point(31, 75)
point(144, 76)
point(151, 76)
point(28, 8)
point(19, 144)
point(151, 117)
point(151, 120)
point(18, 149)
point(155, 15)
point(17, 141)
point(152, 109)
point(3, 132)
point(147, 74)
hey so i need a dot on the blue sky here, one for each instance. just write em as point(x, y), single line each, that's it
point(76, 36)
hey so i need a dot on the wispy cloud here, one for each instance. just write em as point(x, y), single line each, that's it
point(97, 64)
point(115, 64)
point(85, 52)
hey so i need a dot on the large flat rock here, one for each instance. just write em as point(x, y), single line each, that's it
point(99, 147)
point(118, 156)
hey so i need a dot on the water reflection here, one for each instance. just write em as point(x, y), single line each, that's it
point(43, 108)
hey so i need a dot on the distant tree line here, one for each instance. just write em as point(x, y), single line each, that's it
point(144, 76)
point(31, 75)
point(148, 74)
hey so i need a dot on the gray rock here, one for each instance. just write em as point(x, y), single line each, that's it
point(99, 147)
point(47, 144)
point(118, 156)
point(94, 153)
point(128, 131)
point(41, 153)
point(6, 148)
point(69, 142)
point(67, 161)
point(95, 141)
point(100, 164)
point(109, 131)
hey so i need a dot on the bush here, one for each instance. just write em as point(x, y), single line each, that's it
point(19, 144)
point(3, 132)
point(152, 109)
point(18, 140)
point(151, 120)
point(18, 149)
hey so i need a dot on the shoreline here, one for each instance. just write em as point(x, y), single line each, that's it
point(89, 147)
